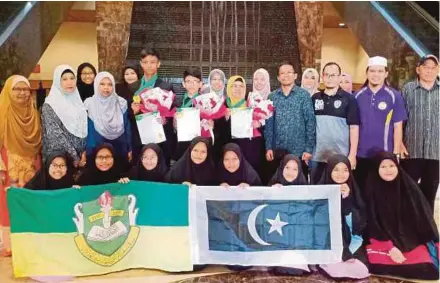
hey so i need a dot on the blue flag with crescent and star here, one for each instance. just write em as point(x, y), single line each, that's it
point(266, 226)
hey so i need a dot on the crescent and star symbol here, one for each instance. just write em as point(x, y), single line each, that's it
point(276, 225)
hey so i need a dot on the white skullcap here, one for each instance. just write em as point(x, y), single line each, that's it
point(377, 61)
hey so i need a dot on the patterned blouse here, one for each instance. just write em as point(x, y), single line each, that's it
point(57, 138)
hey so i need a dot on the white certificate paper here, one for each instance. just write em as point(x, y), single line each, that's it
point(150, 130)
point(188, 124)
point(241, 123)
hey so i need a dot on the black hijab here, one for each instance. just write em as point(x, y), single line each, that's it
point(93, 176)
point(139, 172)
point(85, 90)
point(125, 89)
point(278, 178)
point(397, 210)
point(245, 172)
point(43, 181)
point(185, 170)
point(353, 203)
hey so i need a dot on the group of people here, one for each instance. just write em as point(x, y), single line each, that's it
point(379, 145)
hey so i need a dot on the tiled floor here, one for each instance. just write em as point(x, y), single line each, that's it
point(214, 274)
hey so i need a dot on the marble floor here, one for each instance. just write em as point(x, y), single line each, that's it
point(211, 274)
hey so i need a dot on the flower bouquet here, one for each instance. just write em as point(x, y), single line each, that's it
point(211, 107)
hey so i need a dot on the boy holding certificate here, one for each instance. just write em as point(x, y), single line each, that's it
point(150, 63)
point(192, 82)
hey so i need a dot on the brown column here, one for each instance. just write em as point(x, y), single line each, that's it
point(113, 31)
point(309, 22)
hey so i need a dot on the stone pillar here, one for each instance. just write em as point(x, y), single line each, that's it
point(113, 30)
point(310, 25)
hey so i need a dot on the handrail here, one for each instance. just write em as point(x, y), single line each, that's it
point(16, 21)
point(425, 15)
point(412, 41)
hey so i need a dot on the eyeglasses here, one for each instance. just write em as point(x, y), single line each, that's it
point(58, 166)
point(192, 82)
point(146, 158)
point(22, 90)
point(331, 76)
point(104, 158)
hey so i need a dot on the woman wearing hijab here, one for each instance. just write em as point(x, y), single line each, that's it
point(151, 165)
point(346, 82)
point(130, 83)
point(86, 74)
point(234, 170)
point(195, 167)
point(353, 265)
point(64, 118)
point(261, 83)
point(108, 119)
point(57, 173)
point(310, 80)
point(126, 89)
point(222, 133)
point(20, 143)
point(236, 99)
point(289, 173)
point(403, 237)
point(216, 83)
point(260, 87)
point(103, 169)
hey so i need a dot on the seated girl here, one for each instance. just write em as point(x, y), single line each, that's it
point(103, 169)
point(57, 173)
point(234, 170)
point(353, 265)
point(403, 237)
point(151, 165)
point(289, 173)
point(195, 167)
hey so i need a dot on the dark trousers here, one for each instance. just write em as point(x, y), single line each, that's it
point(427, 171)
point(252, 150)
point(317, 172)
point(363, 168)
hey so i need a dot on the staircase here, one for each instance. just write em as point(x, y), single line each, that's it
point(26, 29)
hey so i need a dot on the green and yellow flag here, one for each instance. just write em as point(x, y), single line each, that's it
point(100, 229)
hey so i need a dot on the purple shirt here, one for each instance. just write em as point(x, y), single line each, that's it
point(378, 113)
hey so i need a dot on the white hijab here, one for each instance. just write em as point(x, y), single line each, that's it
point(107, 113)
point(68, 106)
point(315, 87)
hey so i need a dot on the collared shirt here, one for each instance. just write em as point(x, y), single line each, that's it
point(334, 115)
point(378, 113)
point(422, 128)
point(293, 125)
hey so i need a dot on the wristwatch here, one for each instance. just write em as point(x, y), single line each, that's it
point(397, 155)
